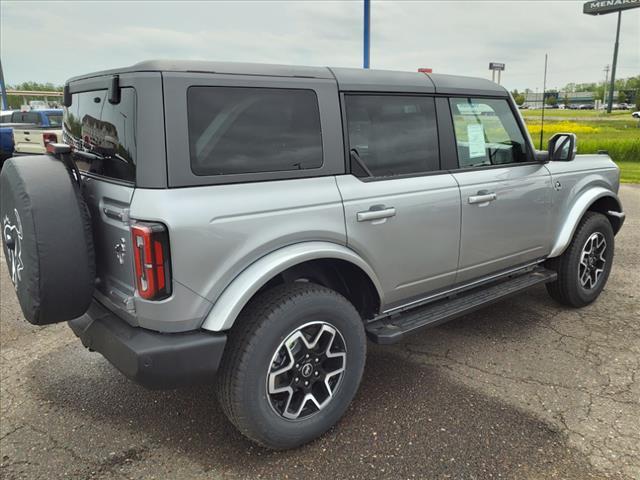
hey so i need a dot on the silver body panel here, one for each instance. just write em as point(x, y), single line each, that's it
point(509, 228)
point(581, 182)
point(414, 237)
point(415, 250)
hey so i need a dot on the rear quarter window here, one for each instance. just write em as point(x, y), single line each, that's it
point(103, 134)
point(235, 130)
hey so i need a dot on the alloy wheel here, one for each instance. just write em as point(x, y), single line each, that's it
point(306, 370)
point(592, 260)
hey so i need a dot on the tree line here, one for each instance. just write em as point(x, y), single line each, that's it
point(16, 101)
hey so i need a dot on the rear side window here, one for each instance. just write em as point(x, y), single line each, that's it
point(236, 130)
point(103, 134)
point(392, 135)
point(487, 133)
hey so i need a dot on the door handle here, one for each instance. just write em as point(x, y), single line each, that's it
point(482, 198)
point(376, 214)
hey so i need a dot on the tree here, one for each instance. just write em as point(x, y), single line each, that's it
point(15, 101)
point(551, 101)
point(622, 97)
point(566, 99)
point(517, 97)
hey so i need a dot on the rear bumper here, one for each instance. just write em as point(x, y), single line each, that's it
point(155, 360)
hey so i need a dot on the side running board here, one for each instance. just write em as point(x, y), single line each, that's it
point(392, 329)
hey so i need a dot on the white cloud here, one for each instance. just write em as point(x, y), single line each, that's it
point(54, 41)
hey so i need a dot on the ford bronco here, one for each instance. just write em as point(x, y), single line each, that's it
point(253, 224)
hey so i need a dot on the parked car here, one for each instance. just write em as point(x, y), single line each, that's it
point(6, 133)
point(40, 128)
point(259, 222)
point(636, 114)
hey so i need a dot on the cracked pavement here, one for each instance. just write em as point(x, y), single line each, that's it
point(523, 389)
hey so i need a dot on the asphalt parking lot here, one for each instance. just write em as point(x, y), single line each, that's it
point(524, 389)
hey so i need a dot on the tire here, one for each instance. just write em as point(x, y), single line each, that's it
point(569, 289)
point(255, 343)
point(47, 239)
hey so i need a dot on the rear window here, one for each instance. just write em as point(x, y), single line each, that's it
point(26, 117)
point(55, 119)
point(102, 134)
point(236, 130)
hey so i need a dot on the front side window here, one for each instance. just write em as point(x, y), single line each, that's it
point(487, 133)
point(392, 135)
point(235, 130)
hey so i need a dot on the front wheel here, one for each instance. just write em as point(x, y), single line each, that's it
point(584, 267)
point(293, 364)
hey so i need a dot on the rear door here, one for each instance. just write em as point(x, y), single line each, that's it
point(506, 196)
point(402, 212)
point(105, 150)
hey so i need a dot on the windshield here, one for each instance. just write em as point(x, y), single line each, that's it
point(102, 134)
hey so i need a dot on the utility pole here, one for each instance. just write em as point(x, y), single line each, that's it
point(367, 21)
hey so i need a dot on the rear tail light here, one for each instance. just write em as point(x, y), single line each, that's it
point(49, 138)
point(151, 260)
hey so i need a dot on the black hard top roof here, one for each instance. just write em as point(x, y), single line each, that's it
point(349, 79)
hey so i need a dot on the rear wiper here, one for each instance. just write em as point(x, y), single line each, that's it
point(353, 153)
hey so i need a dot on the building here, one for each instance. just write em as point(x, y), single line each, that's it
point(534, 99)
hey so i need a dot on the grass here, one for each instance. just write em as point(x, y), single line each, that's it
point(588, 114)
point(618, 134)
point(629, 172)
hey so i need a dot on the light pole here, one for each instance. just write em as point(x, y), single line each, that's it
point(367, 22)
point(3, 90)
point(615, 62)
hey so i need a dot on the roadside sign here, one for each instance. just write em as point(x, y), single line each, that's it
point(601, 7)
point(496, 67)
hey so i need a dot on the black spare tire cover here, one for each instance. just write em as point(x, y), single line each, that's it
point(47, 240)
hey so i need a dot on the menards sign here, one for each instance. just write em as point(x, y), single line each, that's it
point(599, 7)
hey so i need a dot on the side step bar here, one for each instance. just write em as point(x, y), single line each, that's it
point(392, 329)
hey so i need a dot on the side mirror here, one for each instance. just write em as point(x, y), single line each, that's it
point(562, 147)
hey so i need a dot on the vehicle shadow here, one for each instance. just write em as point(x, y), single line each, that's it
point(407, 421)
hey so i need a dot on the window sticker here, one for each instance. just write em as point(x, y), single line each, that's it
point(475, 135)
point(474, 109)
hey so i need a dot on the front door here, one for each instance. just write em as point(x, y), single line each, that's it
point(505, 195)
point(402, 213)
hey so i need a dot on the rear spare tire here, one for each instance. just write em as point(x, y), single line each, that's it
point(47, 240)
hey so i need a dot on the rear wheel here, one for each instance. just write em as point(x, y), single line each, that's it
point(584, 267)
point(292, 365)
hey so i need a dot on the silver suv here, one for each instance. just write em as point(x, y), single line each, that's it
point(254, 224)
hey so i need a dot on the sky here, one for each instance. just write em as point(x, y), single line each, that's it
point(52, 41)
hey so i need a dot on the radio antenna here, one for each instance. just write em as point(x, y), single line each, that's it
point(544, 88)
